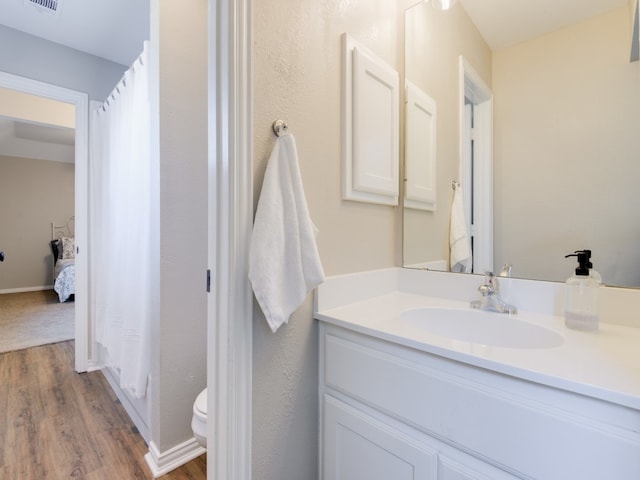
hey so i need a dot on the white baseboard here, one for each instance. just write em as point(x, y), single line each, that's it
point(94, 366)
point(26, 289)
point(163, 463)
point(128, 403)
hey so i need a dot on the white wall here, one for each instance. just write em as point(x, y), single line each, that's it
point(33, 193)
point(296, 77)
point(566, 151)
point(55, 64)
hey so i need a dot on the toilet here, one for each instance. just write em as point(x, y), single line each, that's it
point(199, 420)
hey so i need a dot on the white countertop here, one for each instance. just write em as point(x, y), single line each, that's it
point(603, 364)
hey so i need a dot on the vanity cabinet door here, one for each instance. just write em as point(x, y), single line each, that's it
point(357, 446)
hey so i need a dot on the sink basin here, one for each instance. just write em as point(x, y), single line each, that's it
point(481, 327)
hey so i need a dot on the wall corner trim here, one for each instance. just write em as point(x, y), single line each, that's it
point(161, 463)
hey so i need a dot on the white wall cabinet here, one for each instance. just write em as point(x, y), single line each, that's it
point(371, 126)
point(391, 412)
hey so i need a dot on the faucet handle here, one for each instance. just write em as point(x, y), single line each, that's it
point(505, 271)
point(490, 285)
point(491, 300)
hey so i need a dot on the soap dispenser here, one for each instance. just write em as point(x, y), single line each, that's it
point(596, 276)
point(581, 297)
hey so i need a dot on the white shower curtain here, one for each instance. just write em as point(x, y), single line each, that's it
point(120, 197)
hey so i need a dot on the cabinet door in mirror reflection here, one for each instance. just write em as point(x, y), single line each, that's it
point(420, 150)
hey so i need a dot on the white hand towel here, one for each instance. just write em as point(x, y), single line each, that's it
point(459, 243)
point(284, 264)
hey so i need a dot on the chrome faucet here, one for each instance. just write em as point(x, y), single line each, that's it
point(491, 300)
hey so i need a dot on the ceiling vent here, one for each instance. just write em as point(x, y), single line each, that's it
point(49, 7)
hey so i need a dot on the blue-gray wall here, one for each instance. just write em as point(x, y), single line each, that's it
point(32, 57)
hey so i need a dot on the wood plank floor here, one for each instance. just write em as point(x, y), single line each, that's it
point(57, 424)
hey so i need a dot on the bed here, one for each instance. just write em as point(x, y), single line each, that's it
point(63, 249)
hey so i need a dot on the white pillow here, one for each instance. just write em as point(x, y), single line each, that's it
point(68, 247)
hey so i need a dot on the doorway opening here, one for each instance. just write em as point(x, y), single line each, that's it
point(80, 103)
point(476, 102)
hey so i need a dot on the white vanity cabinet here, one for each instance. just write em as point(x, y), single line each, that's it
point(365, 445)
point(391, 412)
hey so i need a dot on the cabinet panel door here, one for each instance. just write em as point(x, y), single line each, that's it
point(358, 446)
point(420, 150)
point(370, 126)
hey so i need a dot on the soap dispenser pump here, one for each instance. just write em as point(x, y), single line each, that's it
point(596, 276)
point(581, 300)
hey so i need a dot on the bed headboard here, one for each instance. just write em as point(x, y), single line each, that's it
point(58, 232)
point(66, 229)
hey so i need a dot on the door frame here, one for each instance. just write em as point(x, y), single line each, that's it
point(230, 197)
point(81, 102)
point(473, 87)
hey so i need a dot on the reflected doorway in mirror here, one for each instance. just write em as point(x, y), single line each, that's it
point(476, 149)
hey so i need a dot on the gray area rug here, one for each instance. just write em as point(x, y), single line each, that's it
point(34, 318)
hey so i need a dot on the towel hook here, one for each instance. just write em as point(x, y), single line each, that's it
point(279, 127)
point(455, 185)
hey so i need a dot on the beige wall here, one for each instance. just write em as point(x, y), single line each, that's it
point(296, 77)
point(567, 117)
point(36, 109)
point(434, 42)
point(33, 193)
point(179, 299)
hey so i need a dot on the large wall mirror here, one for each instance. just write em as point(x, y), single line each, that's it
point(565, 131)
